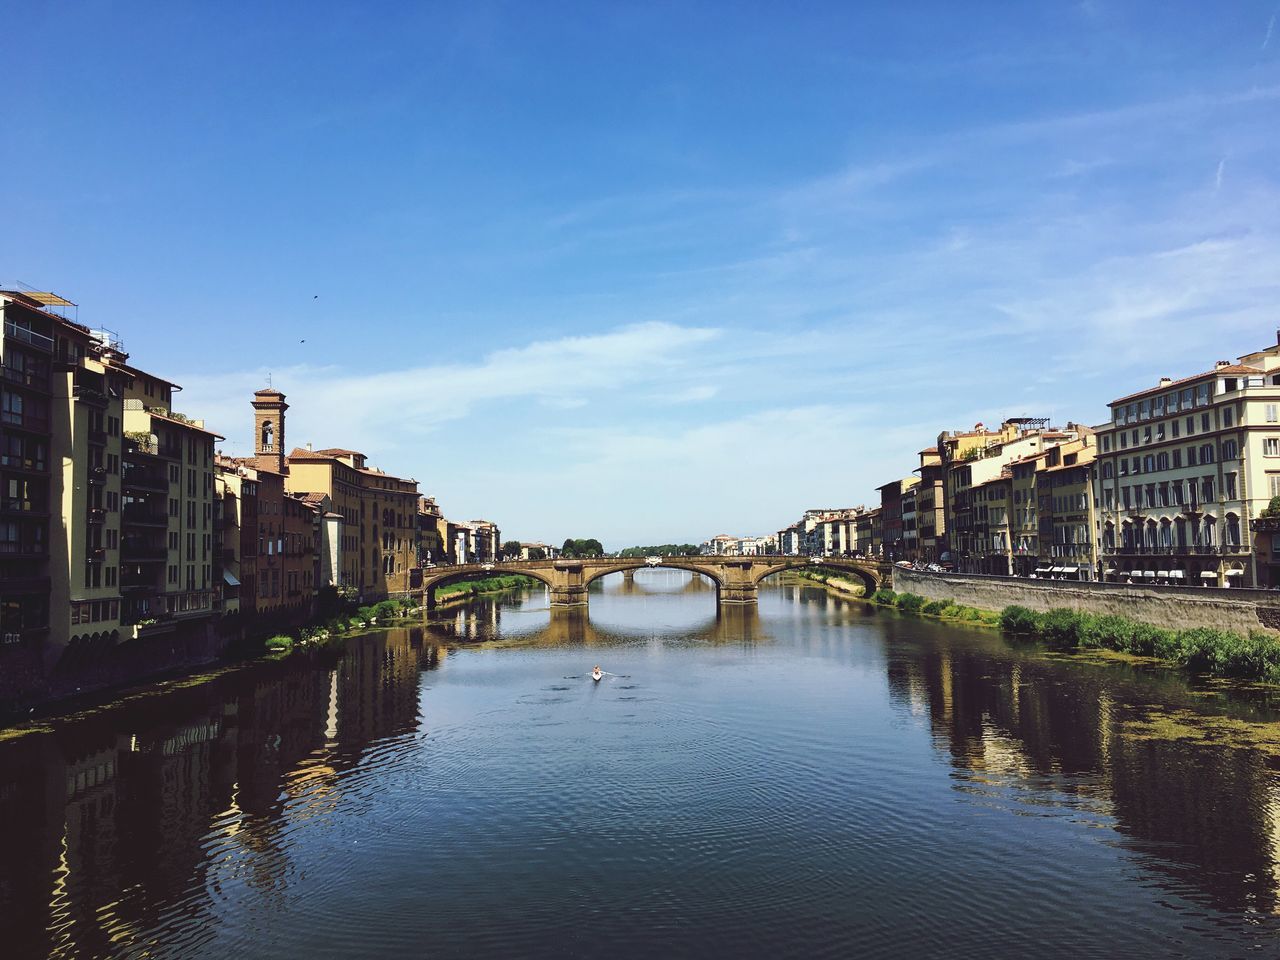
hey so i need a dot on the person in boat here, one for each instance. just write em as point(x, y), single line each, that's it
point(596, 672)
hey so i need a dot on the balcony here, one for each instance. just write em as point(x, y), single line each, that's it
point(97, 436)
point(28, 508)
point(134, 552)
point(95, 555)
point(25, 421)
point(22, 550)
point(24, 464)
point(96, 516)
point(29, 337)
point(144, 480)
point(31, 379)
point(97, 476)
point(89, 395)
point(170, 451)
point(142, 515)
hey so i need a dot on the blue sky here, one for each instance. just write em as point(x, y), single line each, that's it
point(650, 272)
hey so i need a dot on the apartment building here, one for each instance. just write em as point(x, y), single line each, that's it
point(930, 496)
point(1184, 468)
point(1066, 511)
point(891, 516)
point(974, 463)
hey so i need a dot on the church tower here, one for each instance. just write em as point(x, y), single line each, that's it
point(268, 430)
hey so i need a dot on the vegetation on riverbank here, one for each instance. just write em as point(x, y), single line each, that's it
point(1203, 650)
point(487, 585)
point(831, 580)
point(331, 633)
point(939, 609)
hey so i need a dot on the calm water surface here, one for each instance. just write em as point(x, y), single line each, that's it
point(815, 778)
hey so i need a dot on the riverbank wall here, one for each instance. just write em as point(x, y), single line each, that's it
point(1239, 610)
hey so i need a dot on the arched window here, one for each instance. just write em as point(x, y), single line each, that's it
point(268, 435)
point(1166, 534)
point(1180, 531)
point(1150, 538)
point(1233, 530)
point(1109, 537)
point(1210, 528)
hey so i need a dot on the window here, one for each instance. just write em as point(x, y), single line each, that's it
point(1108, 470)
point(1229, 485)
point(1205, 423)
point(1162, 461)
point(1106, 443)
point(1271, 413)
point(1273, 483)
point(1228, 416)
point(1191, 457)
point(1229, 451)
point(1148, 463)
point(1206, 490)
point(1207, 453)
point(1271, 447)
point(1191, 425)
point(1175, 428)
point(1124, 440)
point(1202, 394)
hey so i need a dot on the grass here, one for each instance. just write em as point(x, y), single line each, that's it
point(940, 609)
point(487, 585)
point(1201, 650)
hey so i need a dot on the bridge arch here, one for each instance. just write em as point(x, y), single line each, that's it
point(870, 577)
point(666, 564)
point(479, 572)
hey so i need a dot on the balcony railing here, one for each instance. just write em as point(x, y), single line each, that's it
point(143, 480)
point(19, 505)
point(35, 379)
point(142, 552)
point(141, 514)
point(95, 555)
point(97, 476)
point(22, 334)
point(25, 421)
point(27, 464)
point(19, 548)
point(89, 395)
point(96, 515)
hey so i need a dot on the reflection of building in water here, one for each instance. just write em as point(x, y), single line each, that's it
point(102, 832)
point(1204, 811)
point(650, 583)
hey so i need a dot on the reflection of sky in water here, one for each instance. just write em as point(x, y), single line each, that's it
point(809, 777)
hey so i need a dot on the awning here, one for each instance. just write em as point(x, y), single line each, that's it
point(1235, 573)
point(229, 579)
point(1070, 569)
point(1043, 569)
point(1208, 575)
point(1110, 570)
point(1055, 569)
point(1150, 573)
point(1177, 574)
point(1162, 574)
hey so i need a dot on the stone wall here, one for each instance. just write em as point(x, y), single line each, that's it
point(1239, 610)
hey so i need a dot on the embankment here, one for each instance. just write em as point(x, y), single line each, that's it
point(1240, 611)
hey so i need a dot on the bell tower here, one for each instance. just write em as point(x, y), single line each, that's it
point(268, 430)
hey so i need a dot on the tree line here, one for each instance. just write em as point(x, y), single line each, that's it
point(662, 550)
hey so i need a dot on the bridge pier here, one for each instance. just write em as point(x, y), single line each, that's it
point(568, 584)
point(738, 586)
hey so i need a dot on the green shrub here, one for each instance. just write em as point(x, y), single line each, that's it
point(1016, 619)
point(279, 643)
point(883, 596)
point(1060, 628)
point(970, 613)
point(908, 602)
point(386, 609)
point(935, 607)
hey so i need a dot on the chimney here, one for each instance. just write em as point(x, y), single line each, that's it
point(1165, 381)
point(1222, 363)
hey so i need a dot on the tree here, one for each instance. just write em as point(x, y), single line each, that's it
point(1273, 508)
point(537, 553)
point(582, 548)
point(511, 550)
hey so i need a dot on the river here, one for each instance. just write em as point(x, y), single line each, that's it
point(812, 778)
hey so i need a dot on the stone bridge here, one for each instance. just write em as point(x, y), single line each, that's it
point(737, 579)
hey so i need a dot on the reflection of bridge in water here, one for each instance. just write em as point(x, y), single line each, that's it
point(572, 627)
point(736, 579)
